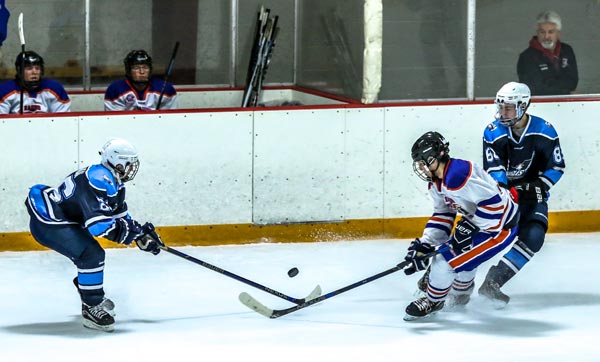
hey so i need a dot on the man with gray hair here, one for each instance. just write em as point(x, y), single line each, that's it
point(548, 66)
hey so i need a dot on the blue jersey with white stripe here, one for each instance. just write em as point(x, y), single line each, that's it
point(91, 197)
point(536, 154)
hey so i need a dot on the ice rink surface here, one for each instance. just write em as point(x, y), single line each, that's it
point(169, 309)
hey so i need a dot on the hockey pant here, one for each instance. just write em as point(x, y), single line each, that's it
point(84, 251)
point(450, 271)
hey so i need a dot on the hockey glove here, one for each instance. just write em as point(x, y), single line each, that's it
point(416, 250)
point(532, 192)
point(462, 240)
point(149, 241)
point(125, 231)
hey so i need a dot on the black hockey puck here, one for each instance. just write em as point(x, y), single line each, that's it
point(293, 272)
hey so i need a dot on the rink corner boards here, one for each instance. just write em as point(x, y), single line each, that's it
point(364, 229)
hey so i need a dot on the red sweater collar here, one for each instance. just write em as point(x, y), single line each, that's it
point(552, 55)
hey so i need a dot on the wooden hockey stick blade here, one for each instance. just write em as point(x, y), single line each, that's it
point(21, 32)
point(250, 302)
point(255, 305)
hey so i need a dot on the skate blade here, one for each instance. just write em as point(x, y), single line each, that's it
point(91, 325)
point(410, 318)
point(494, 302)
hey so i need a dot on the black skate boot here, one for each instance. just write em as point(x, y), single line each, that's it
point(95, 317)
point(107, 304)
point(422, 307)
point(422, 283)
point(458, 300)
point(492, 284)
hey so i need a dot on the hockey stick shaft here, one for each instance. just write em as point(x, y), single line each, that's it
point(265, 60)
point(22, 75)
point(235, 276)
point(276, 313)
point(167, 74)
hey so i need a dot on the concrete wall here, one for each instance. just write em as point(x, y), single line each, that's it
point(278, 166)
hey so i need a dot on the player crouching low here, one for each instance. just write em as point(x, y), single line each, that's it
point(91, 203)
point(487, 226)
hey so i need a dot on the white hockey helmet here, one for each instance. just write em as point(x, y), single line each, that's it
point(119, 156)
point(512, 93)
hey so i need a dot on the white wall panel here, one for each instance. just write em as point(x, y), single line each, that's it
point(578, 128)
point(364, 163)
point(299, 166)
point(463, 125)
point(34, 151)
point(195, 168)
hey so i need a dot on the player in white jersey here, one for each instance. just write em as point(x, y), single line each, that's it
point(487, 226)
point(40, 95)
point(139, 90)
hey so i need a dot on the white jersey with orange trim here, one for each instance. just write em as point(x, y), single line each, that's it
point(49, 97)
point(469, 190)
point(123, 96)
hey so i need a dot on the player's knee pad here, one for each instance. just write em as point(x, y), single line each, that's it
point(92, 257)
point(533, 235)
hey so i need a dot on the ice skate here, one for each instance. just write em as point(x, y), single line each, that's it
point(422, 307)
point(490, 288)
point(95, 317)
point(107, 304)
point(460, 299)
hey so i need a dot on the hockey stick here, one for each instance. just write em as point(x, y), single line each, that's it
point(260, 308)
point(22, 76)
point(167, 74)
point(265, 29)
point(257, 36)
point(266, 59)
point(315, 293)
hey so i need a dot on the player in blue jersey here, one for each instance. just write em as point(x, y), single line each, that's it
point(139, 90)
point(486, 227)
point(521, 151)
point(40, 95)
point(91, 203)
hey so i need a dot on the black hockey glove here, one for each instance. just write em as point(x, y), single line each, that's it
point(416, 250)
point(462, 240)
point(125, 231)
point(532, 192)
point(149, 241)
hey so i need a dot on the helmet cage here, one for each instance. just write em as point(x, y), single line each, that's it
point(520, 108)
point(121, 158)
point(126, 170)
point(421, 168)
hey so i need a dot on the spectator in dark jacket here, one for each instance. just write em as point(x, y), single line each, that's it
point(548, 66)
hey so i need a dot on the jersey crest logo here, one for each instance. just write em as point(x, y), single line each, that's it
point(130, 99)
point(453, 205)
point(518, 171)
